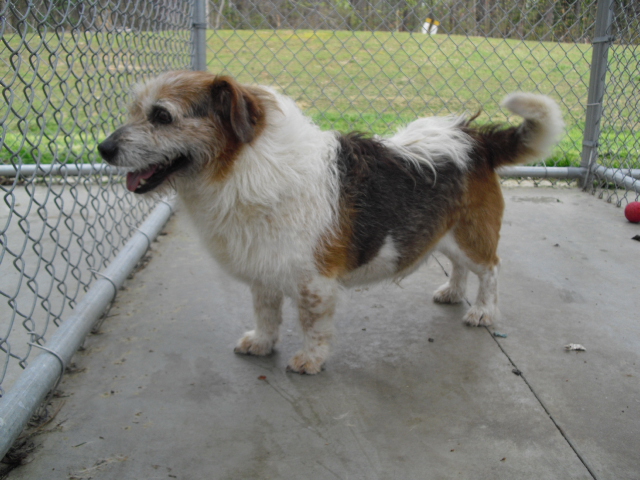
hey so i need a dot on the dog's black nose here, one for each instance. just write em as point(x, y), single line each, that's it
point(108, 149)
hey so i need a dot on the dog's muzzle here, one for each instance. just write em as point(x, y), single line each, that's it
point(108, 150)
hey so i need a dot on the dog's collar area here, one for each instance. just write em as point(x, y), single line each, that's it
point(142, 181)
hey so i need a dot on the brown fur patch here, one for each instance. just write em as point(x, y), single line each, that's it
point(240, 113)
point(309, 300)
point(236, 114)
point(259, 102)
point(478, 229)
point(221, 165)
point(313, 306)
point(333, 256)
point(185, 88)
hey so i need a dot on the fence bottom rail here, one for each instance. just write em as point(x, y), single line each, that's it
point(31, 388)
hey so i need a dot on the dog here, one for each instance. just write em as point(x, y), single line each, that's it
point(296, 211)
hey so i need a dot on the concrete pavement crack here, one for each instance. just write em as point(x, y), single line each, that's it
point(536, 396)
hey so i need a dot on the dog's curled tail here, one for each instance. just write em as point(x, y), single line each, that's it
point(533, 139)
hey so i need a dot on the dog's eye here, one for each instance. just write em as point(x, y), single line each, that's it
point(160, 116)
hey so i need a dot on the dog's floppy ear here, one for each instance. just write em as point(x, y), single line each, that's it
point(237, 106)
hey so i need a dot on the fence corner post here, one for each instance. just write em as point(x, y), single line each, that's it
point(602, 39)
point(199, 35)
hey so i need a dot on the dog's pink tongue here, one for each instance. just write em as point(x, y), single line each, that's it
point(134, 178)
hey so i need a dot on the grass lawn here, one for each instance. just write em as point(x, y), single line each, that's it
point(368, 81)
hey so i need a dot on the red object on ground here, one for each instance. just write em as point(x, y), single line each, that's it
point(632, 212)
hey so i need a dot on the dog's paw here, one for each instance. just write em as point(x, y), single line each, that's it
point(480, 316)
point(448, 294)
point(305, 363)
point(252, 344)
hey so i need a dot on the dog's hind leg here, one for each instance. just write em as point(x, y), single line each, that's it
point(477, 235)
point(453, 291)
point(316, 306)
point(267, 305)
point(484, 310)
point(472, 245)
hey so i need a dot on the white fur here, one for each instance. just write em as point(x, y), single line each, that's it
point(264, 221)
point(267, 304)
point(316, 306)
point(433, 139)
point(544, 113)
point(485, 310)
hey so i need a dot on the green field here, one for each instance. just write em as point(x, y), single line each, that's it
point(368, 81)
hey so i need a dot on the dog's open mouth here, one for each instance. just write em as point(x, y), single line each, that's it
point(143, 181)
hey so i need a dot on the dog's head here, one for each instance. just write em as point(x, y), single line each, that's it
point(181, 123)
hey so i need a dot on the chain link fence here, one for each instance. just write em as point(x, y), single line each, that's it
point(373, 65)
point(376, 65)
point(367, 65)
point(65, 71)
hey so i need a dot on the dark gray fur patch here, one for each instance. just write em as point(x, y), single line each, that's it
point(497, 145)
point(386, 194)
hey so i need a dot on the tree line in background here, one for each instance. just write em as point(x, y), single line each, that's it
point(544, 20)
point(19, 16)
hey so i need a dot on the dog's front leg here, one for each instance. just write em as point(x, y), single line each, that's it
point(267, 305)
point(316, 306)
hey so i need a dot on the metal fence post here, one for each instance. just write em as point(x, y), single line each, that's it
point(599, 66)
point(199, 35)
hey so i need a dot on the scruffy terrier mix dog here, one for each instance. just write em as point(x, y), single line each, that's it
point(293, 210)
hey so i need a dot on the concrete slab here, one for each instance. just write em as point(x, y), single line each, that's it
point(42, 257)
point(570, 275)
point(163, 396)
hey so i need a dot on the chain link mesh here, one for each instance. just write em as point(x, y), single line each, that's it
point(619, 143)
point(65, 71)
point(367, 65)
